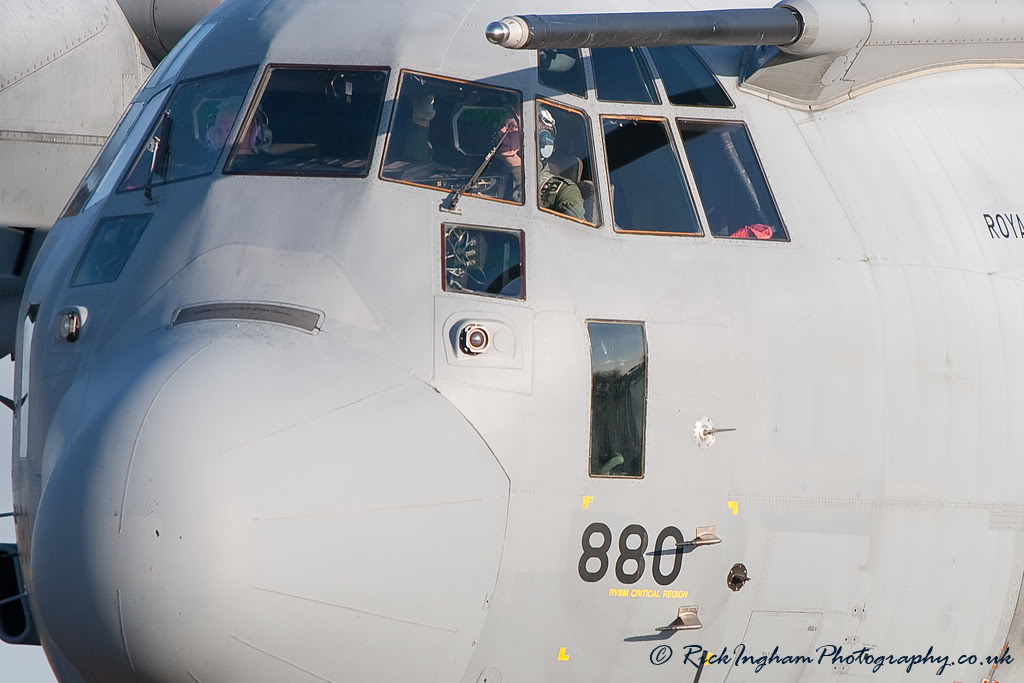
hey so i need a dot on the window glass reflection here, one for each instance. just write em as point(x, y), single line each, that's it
point(192, 131)
point(618, 403)
point(108, 251)
point(103, 161)
point(444, 130)
point(484, 261)
point(313, 121)
point(688, 81)
point(622, 75)
point(649, 192)
point(562, 70)
point(732, 185)
point(566, 172)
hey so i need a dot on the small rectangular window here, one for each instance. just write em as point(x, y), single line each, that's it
point(312, 121)
point(649, 191)
point(192, 132)
point(618, 399)
point(621, 75)
point(731, 183)
point(562, 70)
point(446, 132)
point(565, 173)
point(687, 80)
point(109, 248)
point(484, 261)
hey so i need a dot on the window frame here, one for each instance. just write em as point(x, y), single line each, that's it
point(584, 58)
point(494, 228)
point(257, 97)
point(174, 87)
point(645, 61)
point(705, 107)
point(694, 194)
point(394, 113)
point(760, 165)
point(593, 160)
point(590, 402)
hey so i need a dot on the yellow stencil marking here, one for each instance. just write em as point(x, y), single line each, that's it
point(587, 500)
point(562, 657)
point(735, 507)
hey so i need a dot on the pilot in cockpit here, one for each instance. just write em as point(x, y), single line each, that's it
point(556, 192)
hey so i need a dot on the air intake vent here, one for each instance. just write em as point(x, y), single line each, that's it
point(300, 318)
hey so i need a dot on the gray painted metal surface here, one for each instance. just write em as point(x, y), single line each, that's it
point(232, 500)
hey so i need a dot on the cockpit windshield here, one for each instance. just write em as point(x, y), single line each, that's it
point(313, 121)
point(445, 130)
point(188, 138)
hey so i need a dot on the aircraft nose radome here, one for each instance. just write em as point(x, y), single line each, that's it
point(244, 512)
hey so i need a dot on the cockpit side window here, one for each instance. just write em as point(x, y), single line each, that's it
point(688, 81)
point(190, 135)
point(731, 182)
point(103, 161)
point(649, 191)
point(566, 181)
point(618, 398)
point(621, 75)
point(484, 261)
point(315, 121)
point(562, 70)
point(447, 132)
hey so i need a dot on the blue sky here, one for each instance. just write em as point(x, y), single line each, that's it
point(18, 663)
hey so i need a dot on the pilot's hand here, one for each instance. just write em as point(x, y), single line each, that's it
point(423, 110)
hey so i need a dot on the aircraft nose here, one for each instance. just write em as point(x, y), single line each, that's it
point(231, 510)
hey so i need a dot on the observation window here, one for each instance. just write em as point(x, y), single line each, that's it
point(649, 191)
point(688, 81)
point(109, 248)
point(484, 261)
point(562, 70)
point(443, 131)
point(731, 183)
point(565, 175)
point(621, 75)
point(312, 121)
point(188, 138)
point(618, 399)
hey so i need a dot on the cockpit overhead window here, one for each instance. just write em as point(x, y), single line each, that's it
point(566, 172)
point(731, 183)
point(448, 134)
point(318, 121)
point(621, 75)
point(562, 70)
point(618, 398)
point(188, 138)
point(687, 80)
point(649, 191)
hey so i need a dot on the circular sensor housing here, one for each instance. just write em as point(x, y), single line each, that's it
point(474, 339)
